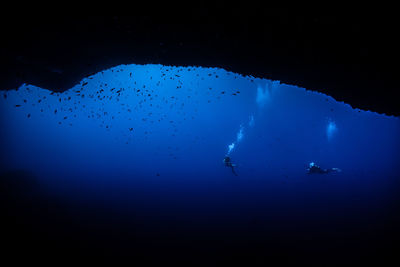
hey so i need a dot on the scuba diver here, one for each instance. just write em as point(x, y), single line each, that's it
point(228, 163)
point(314, 168)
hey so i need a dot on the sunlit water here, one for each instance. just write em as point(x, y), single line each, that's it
point(148, 141)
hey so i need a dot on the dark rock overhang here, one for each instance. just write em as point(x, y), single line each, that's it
point(348, 56)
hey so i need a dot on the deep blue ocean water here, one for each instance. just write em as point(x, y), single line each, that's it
point(130, 162)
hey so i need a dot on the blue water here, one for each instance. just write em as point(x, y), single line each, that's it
point(141, 146)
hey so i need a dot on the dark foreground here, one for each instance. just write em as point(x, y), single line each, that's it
point(41, 226)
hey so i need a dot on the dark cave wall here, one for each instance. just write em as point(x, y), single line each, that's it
point(346, 55)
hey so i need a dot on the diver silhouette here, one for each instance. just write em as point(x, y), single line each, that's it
point(228, 163)
point(314, 168)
